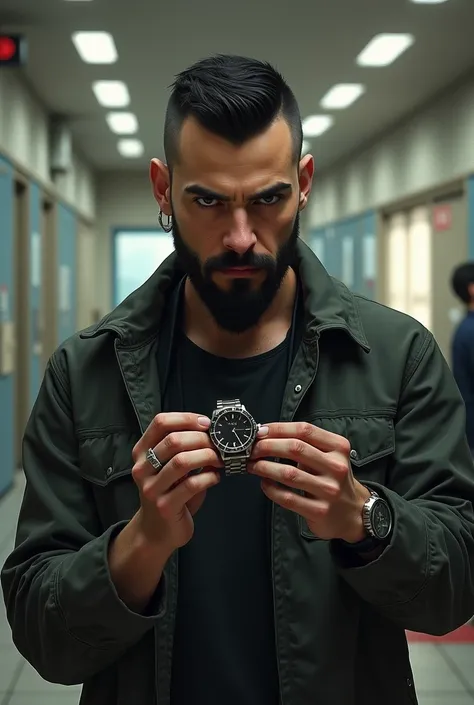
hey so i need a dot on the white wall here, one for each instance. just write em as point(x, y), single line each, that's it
point(24, 137)
point(125, 200)
point(434, 147)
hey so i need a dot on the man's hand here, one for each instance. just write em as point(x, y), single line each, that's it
point(171, 497)
point(333, 499)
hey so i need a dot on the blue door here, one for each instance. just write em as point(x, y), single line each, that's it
point(67, 261)
point(7, 400)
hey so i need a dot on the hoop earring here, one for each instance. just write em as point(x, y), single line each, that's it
point(168, 227)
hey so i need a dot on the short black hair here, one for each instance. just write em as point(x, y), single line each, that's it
point(461, 279)
point(234, 97)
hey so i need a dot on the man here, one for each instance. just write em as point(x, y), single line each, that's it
point(463, 343)
point(217, 567)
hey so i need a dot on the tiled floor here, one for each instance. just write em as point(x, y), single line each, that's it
point(444, 674)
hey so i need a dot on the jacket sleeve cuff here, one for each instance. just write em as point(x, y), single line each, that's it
point(91, 608)
point(401, 570)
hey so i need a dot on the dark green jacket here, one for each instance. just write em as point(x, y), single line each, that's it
point(364, 371)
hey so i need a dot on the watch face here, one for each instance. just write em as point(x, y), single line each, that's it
point(233, 431)
point(381, 519)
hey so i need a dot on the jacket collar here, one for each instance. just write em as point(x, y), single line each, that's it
point(328, 304)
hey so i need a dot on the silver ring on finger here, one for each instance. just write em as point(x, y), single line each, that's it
point(154, 460)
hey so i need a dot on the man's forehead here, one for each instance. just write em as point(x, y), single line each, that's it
point(201, 150)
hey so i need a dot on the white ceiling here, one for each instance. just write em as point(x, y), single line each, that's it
point(313, 42)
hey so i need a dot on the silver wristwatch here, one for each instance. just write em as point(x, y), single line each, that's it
point(233, 431)
point(377, 517)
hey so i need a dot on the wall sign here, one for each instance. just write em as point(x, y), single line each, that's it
point(442, 217)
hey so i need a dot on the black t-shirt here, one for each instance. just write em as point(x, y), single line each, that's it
point(224, 649)
point(224, 643)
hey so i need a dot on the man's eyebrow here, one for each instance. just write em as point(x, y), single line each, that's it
point(203, 192)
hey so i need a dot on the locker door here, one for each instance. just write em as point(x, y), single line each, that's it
point(67, 264)
point(86, 277)
point(35, 294)
point(7, 402)
point(368, 255)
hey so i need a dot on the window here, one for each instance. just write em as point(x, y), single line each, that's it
point(137, 254)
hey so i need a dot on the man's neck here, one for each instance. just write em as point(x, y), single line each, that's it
point(271, 330)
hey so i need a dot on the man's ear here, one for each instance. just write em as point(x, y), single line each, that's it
point(306, 173)
point(160, 182)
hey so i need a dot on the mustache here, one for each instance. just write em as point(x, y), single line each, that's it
point(232, 259)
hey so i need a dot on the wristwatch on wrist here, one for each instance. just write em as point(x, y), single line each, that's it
point(378, 522)
point(233, 431)
point(377, 517)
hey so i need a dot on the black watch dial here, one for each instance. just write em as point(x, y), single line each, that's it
point(381, 519)
point(233, 431)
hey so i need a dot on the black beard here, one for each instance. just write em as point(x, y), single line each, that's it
point(241, 307)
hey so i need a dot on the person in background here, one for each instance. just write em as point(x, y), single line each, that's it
point(463, 344)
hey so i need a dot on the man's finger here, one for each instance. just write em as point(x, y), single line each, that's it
point(163, 424)
point(315, 436)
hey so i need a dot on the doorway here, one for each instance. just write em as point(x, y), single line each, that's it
point(423, 244)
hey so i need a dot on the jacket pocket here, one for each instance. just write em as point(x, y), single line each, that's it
point(106, 465)
point(372, 439)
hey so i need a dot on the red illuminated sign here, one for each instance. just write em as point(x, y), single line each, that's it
point(8, 48)
point(12, 50)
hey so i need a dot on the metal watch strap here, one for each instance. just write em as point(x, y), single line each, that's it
point(233, 464)
point(221, 404)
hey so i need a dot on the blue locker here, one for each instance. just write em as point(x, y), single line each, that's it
point(67, 262)
point(7, 399)
point(35, 292)
point(368, 259)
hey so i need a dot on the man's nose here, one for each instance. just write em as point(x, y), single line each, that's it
point(240, 236)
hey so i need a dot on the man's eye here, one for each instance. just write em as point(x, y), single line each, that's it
point(269, 200)
point(207, 202)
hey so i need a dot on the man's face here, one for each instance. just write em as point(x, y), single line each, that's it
point(236, 219)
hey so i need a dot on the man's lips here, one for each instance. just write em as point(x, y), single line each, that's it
point(239, 271)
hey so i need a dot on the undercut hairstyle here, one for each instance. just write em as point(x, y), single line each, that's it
point(463, 277)
point(234, 97)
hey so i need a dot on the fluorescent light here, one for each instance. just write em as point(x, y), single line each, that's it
point(383, 49)
point(428, 2)
point(122, 123)
point(305, 147)
point(342, 95)
point(316, 125)
point(111, 94)
point(95, 47)
point(130, 148)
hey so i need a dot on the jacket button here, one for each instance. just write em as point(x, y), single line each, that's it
point(109, 471)
point(409, 682)
point(298, 388)
point(354, 454)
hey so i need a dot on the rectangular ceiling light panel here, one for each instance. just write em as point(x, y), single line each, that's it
point(342, 96)
point(111, 94)
point(384, 49)
point(316, 125)
point(130, 148)
point(122, 123)
point(95, 47)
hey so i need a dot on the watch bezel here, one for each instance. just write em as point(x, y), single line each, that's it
point(238, 410)
point(369, 522)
